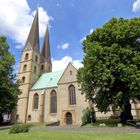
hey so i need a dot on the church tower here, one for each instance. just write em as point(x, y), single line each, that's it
point(46, 64)
point(29, 69)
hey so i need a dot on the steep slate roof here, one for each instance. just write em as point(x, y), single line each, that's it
point(48, 80)
point(45, 54)
point(33, 37)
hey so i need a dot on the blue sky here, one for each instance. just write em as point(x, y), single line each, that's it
point(69, 22)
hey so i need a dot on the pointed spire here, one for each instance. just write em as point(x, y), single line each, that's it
point(33, 37)
point(45, 54)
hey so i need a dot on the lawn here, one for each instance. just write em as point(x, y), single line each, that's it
point(65, 135)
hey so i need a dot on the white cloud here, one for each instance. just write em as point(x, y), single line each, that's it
point(43, 20)
point(16, 18)
point(77, 63)
point(18, 46)
point(84, 38)
point(63, 46)
point(91, 31)
point(61, 64)
point(136, 6)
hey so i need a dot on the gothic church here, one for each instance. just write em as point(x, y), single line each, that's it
point(48, 96)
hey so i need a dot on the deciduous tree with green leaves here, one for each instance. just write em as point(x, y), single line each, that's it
point(111, 72)
point(8, 86)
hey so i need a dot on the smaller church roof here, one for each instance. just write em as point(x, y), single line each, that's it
point(48, 80)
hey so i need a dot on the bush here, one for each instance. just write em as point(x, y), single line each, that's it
point(88, 114)
point(19, 128)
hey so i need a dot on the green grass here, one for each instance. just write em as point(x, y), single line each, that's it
point(65, 135)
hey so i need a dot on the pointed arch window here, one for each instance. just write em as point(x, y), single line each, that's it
point(42, 67)
point(35, 69)
point(35, 101)
point(36, 58)
point(53, 108)
point(26, 56)
point(72, 95)
point(23, 79)
point(49, 69)
point(70, 72)
point(24, 68)
point(17, 116)
point(29, 117)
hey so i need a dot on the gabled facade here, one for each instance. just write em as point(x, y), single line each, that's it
point(59, 98)
point(46, 96)
point(49, 96)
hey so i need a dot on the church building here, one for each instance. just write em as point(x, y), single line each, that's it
point(48, 96)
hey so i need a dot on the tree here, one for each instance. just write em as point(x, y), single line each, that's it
point(8, 86)
point(111, 72)
point(88, 116)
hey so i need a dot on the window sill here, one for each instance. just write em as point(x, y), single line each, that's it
point(35, 109)
point(53, 114)
point(72, 105)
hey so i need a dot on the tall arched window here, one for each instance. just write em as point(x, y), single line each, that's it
point(42, 67)
point(26, 56)
point(35, 69)
point(70, 72)
point(36, 58)
point(23, 79)
point(53, 108)
point(49, 68)
point(35, 101)
point(24, 68)
point(72, 95)
point(17, 116)
point(29, 117)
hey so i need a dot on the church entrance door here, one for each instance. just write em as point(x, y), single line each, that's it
point(68, 118)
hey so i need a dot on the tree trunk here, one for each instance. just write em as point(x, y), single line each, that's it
point(1, 118)
point(126, 114)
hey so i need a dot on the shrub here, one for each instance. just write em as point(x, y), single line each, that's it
point(88, 114)
point(19, 128)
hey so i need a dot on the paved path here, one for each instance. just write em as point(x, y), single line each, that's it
point(5, 127)
point(97, 129)
point(76, 128)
